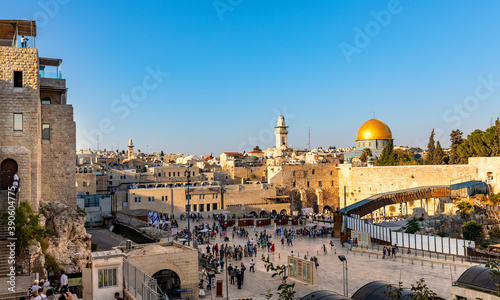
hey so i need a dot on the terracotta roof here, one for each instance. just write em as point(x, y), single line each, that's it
point(255, 151)
point(232, 153)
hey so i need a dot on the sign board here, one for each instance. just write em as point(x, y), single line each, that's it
point(302, 270)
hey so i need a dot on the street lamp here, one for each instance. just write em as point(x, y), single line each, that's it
point(188, 205)
point(344, 275)
point(227, 277)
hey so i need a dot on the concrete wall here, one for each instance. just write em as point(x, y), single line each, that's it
point(488, 170)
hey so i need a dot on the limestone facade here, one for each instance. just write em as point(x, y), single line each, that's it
point(53, 156)
point(317, 184)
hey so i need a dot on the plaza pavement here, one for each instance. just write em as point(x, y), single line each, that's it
point(362, 269)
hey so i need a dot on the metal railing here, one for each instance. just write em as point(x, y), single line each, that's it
point(140, 284)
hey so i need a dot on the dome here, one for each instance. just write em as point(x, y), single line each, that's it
point(374, 130)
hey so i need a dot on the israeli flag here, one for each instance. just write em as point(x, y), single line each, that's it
point(164, 222)
point(150, 217)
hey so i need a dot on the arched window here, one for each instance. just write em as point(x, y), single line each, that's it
point(46, 100)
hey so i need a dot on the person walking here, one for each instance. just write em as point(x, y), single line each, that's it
point(242, 272)
point(230, 270)
point(238, 279)
point(252, 266)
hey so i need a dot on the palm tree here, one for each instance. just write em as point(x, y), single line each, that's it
point(367, 152)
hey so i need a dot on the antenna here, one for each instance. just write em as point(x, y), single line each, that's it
point(309, 140)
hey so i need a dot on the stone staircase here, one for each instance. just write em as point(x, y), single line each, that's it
point(21, 281)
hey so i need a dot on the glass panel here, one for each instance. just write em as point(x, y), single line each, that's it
point(45, 132)
point(18, 122)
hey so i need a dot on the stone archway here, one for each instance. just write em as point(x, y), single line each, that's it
point(327, 209)
point(263, 213)
point(283, 212)
point(169, 282)
point(252, 214)
point(7, 170)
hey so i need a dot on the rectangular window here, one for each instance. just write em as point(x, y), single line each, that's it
point(332, 182)
point(208, 206)
point(18, 122)
point(169, 174)
point(159, 174)
point(178, 174)
point(153, 199)
point(107, 278)
point(308, 184)
point(214, 206)
point(162, 198)
point(45, 132)
point(135, 199)
point(320, 184)
point(139, 198)
point(18, 79)
point(202, 207)
point(166, 198)
point(149, 199)
point(194, 207)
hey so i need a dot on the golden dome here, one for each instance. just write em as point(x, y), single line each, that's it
point(374, 130)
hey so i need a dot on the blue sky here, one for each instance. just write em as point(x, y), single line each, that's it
point(234, 65)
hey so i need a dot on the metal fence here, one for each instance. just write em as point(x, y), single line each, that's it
point(444, 245)
point(139, 284)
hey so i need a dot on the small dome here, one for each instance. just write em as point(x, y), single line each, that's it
point(374, 130)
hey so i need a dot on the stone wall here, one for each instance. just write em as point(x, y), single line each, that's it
point(250, 173)
point(364, 182)
point(488, 170)
point(22, 146)
point(318, 183)
point(59, 155)
point(182, 260)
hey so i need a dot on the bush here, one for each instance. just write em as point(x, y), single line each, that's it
point(51, 265)
point(26, 227)
point(93, 246)
point(495, 231)
point(473, 231)
point(412, 226)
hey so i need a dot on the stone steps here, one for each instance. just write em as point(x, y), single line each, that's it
point(13, 296)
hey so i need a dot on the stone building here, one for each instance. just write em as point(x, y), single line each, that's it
point(36, 124)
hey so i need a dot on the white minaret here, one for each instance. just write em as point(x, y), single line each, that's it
point(130, 148)
point(281, 133)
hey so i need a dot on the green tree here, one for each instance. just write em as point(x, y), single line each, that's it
point(431, 147)
point(473, 231)
point(161, 153)
point(412, 226)
point(26, 226)
point(367, 152)
point(456, 140)
point(285, 290)
point(439, 155)
point(387, 157)
point(256, 148)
